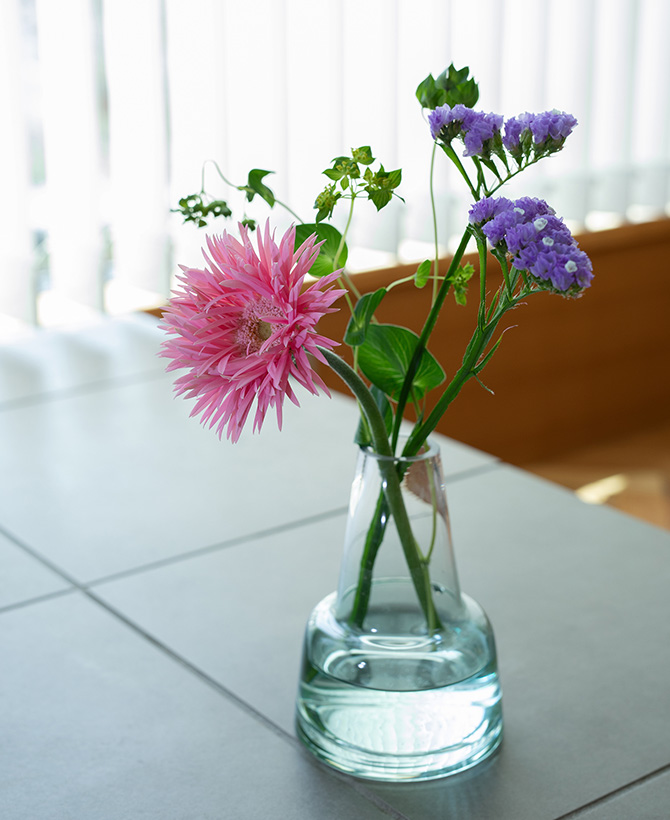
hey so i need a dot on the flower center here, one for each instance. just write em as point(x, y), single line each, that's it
point(264, 330)
point(253, 331)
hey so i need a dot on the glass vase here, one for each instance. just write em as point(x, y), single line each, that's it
point(399, 678)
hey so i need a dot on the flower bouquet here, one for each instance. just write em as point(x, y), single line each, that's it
point(399, 677)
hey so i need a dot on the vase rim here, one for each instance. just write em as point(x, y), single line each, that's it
point(430, 450)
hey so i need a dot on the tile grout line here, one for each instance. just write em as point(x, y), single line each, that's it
point(210, 548)
point(241, 704)
point(220, 545)
point(38, 599)
point(584, 810)
point(76, 586)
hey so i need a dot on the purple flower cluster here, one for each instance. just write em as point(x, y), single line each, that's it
point(476, 128)
point(548, 131)
point(537, 240)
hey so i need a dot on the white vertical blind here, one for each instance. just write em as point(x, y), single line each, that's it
point(134, 50)
point(17, 286)
point(110, 107)
point(72, 152)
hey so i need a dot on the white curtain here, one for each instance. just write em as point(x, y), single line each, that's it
point(110, 107)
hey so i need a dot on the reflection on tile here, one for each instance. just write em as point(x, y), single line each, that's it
point(98, 723)
point(52, 361)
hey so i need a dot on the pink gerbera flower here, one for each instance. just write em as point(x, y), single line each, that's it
point(244, 327)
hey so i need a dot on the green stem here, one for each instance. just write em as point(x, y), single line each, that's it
point(453, 156)
point(391, 484)
point(373, 541)
point(436, 261)
point(513, 174)
point(481, 316)
point(336, 258)
point(474, 353)
point(239, 187)
point(425, 335)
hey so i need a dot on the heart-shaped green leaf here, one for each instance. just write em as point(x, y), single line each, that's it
point(331, 238)
point(385, 356)
point(255, 185)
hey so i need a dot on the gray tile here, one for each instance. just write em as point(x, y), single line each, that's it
point(51, 361)
point(578, 599)
point(98, 723)
point(239, 613)
point(649, 800)
point(22, 577)
point(113, 479)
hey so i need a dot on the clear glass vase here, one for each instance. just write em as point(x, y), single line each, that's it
point(399, 678)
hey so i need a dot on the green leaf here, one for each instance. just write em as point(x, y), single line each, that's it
point(481, 364)
point(385, 356)
point(422, 274)
point(331, 238)
point(394, 178)
point(255, 185)
point(378, 197)
point(428, 94)
point(452, 87)
point(363, 312)
point(362, 155)
point(363, 437)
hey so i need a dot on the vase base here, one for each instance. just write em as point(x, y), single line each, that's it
point(399, 706)
point(400, 736)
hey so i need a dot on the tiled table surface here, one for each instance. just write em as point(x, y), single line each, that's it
point(155, 582)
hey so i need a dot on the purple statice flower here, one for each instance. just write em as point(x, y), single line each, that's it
point(545, 133)
point(496, 229)
point(476, 128)
point(544, 247)
point(486, 208)
point(514, 129)
point(498, 217)
point(537, 240)
point(479, 131)
point(554, 126)
point(439, 119)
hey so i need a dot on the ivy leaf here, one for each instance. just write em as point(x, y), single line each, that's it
point(363, 312)
point(194, 209)
point(422, 274)
point(331, 238)
point(385, 356)
point(255, 185)
point(363, 436)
